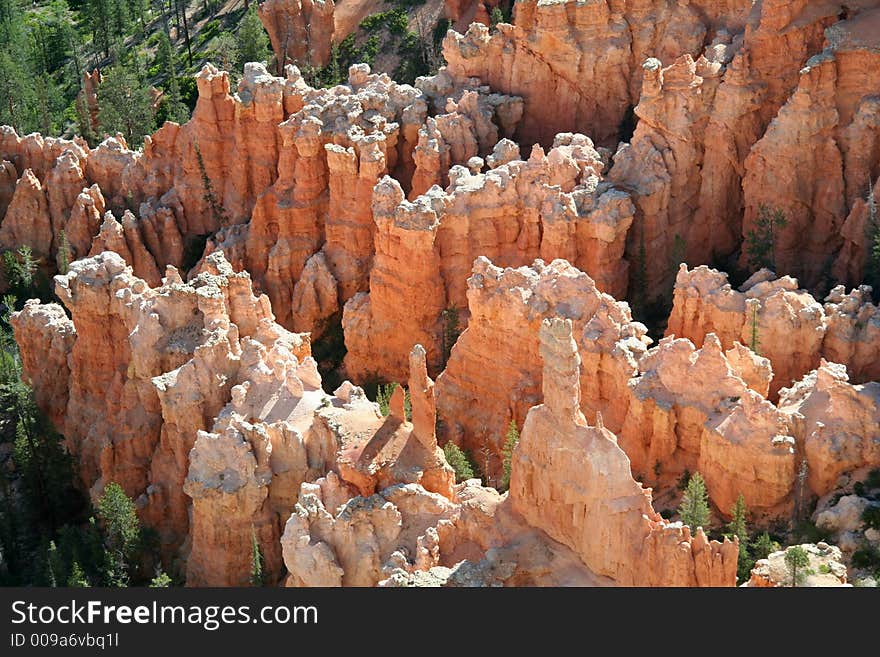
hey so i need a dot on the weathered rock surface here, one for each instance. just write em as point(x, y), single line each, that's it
point(574, 482)
point(822, 152)
point(584, 57)
point(300, 31)
point(550, 206)
point(839, 424)
point(507, 307)
point(786, 324)
point(691, 410)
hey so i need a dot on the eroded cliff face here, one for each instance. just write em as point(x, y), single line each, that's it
point(301, 31)
point(413, 212)
point(501, 343)
point(552, 205)
point(822, 153)
point(781, 322)
point(573, 481)
point(586, 57)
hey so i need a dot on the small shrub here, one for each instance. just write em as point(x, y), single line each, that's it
point(824, 569)
point(859, 489)
point(868, 558)
point(763, 546)
point(383, 397)
point(871, 516)
point(873, 480)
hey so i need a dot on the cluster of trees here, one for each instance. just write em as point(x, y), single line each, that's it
point(694, 512)
point(49, 533)
point(46, 47)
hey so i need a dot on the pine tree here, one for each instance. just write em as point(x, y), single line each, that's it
point(760, 242)
point(121, 532)
point(253, 42)
point(459, 462)
point(510, 441)
point(796, 558)
point(763, 546)
point(101, 15)
point(737, 527)
point(224, 51)
point(173, 107)
point(694, 507)
point(125, 104)
point(256, 560)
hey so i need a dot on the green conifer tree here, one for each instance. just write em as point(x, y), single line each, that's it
point(253, 42)
point(510, 441)
point(63, 258)
point(121, 533)
point(256, 561)
point(459, 462)
point(796, 559)
point(738, 527)
point(694, 507)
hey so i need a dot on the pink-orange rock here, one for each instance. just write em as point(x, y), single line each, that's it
point(507, 307)
point(301, 31)
point(691, 410)
point(837, 422)
point(88, 96)
point(27, 221)
point(662, 166)
point(364, 539)
point(573, 481)
point(8, 179)
point(315, 300)
point(551, 206)
point(822, 151)
point(786, 324)
point(825, 568)
point(578, 65)
point(377, 452)
point(45, 337)
point(852, 333)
